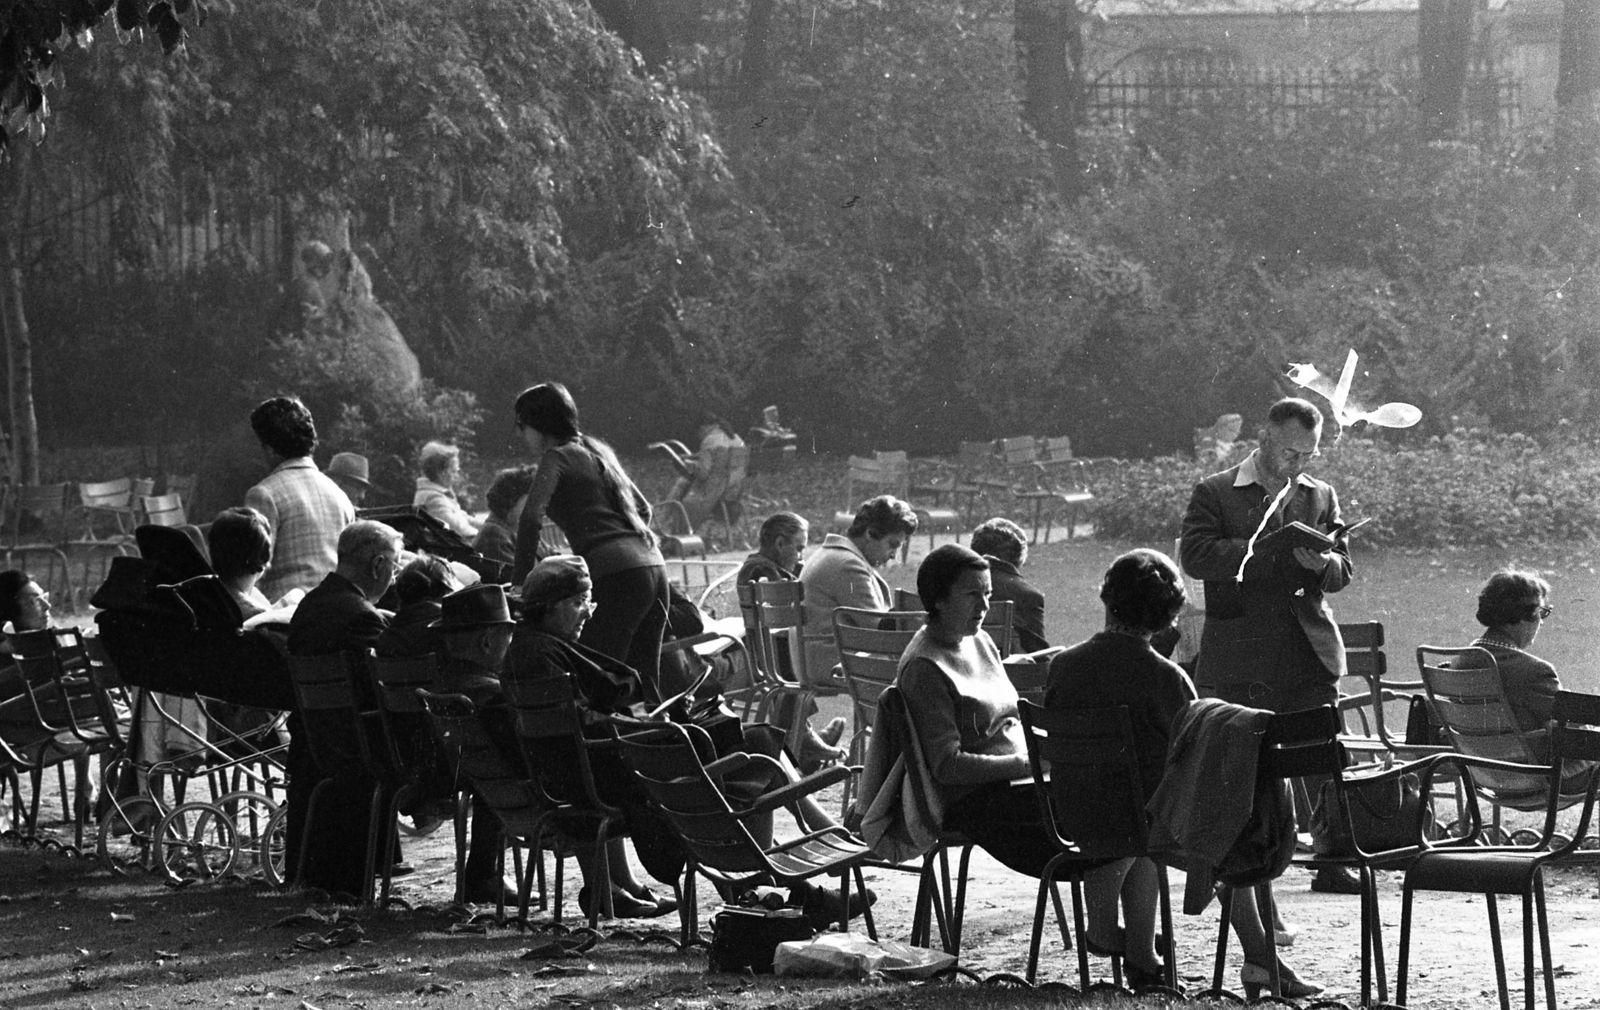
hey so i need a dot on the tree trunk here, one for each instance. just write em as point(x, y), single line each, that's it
point(1578, 100)
point(1049, 39)
point(1444, 54)
point(755, 62)
point(19, 342)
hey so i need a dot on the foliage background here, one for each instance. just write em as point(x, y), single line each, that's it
point(874, 242)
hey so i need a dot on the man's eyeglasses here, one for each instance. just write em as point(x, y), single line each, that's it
point(1545, 611)
point(1299, 456)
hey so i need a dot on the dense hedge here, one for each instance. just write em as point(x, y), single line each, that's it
point(1468, 488)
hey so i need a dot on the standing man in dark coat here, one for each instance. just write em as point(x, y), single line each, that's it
point(1269, 640)
point(337, 616)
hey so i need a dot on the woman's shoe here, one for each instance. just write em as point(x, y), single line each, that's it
point(626, 906)
point(1255, 978)
point(1142, 978)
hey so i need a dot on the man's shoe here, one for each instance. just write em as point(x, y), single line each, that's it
point(401, 870)
point(1336, 880)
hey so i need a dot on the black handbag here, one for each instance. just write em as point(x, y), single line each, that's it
point(1384, 815)
point(748, 937)
point(1421, 726)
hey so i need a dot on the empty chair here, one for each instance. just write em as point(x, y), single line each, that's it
point(164, 510)
point(1519, 870)
point(37, 526)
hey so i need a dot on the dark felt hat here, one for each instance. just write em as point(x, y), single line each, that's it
point(480, 606)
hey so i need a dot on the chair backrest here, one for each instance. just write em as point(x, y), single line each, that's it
point(326, 698)
point(1030, 680)
point(470, 754)
point(1303, 743)
point(973, 458)
point(883, 473)
point(1053, 451)
point(549, 725)
point(46, 503)
point(1086, 770)
point(997, 622)
point(664, 761)
point(1468, 697)
point(142, 486)
point(1021, 451)
point(780, 616)
point(907, 599)
point(870, 657)
point(405, 725)
point(164, 510)
point(181, 484)
point(107, 494)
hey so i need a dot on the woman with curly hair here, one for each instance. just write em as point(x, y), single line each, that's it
point(1142, 593)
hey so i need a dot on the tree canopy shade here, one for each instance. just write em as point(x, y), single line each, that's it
point(34, 34)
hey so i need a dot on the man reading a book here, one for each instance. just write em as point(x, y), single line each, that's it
point(1266, 538)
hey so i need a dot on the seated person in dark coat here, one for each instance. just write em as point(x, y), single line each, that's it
point(476, 626)
point(414, 631)
point(337, 616)
point(497, 540)
point(784, 536)
point(1001, 541)
point(557, 599)
point(1143, 593)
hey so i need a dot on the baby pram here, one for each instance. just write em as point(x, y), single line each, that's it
point(172, 630)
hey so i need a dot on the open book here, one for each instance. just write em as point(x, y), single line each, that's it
point(1298, 534)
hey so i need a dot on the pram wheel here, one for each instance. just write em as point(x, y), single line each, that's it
point(125, 840)
point(274, 845)
point(196, 842)
point(251, 813)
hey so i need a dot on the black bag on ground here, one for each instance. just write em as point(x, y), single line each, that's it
point(748, 937)
point(1383, 816)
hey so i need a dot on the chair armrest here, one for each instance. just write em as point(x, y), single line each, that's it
point(723, 765)
point(795, 791)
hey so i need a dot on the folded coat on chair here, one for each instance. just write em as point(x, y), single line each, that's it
point(1213, 810)
point(901, 812)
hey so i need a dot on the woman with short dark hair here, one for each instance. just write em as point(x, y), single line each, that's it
point(240, 545)
point(964, 710)
point(1142, 593)
point(582, 487)
point(1512, 608)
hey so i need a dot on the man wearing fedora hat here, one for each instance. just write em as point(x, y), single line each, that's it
point(476, 624)
point(349, 471)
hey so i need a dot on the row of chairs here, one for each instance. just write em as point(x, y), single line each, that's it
point(95, 519)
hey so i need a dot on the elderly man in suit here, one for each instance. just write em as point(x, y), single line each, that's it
point(338, 616)
point(1269, 639)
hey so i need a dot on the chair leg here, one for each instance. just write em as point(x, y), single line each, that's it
point(959, 912)
point(375, 807)
point(1544, 938)
point(1164, 893)
point(1077, 927)
point(1225, 895)
point(866, 905)
point(844, 900)
point(1528, 983)
point(1406, 894)
point(1499, 952)
point(1045, 880)
point(1269, 914)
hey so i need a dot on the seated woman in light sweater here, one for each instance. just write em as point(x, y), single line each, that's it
point(436, 488)
point(964, 709)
